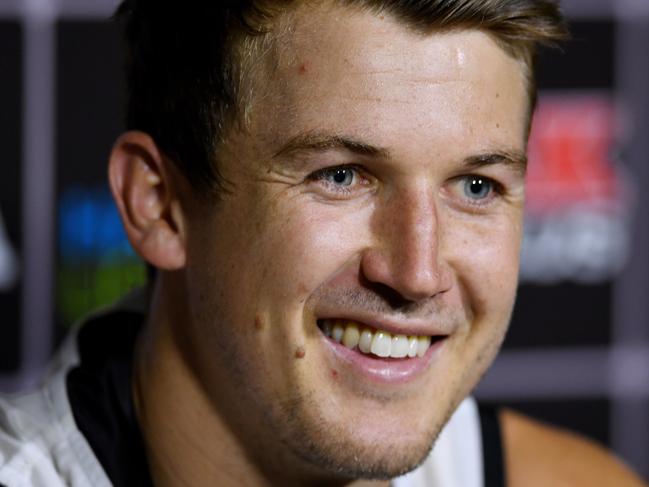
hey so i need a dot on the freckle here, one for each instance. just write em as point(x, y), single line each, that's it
point(259, 322)
point(304, 68)
point(497, 125)
point(497, 95)
point(382, 17)
point(299, 352)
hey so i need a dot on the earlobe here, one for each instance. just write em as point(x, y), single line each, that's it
point(144, 192)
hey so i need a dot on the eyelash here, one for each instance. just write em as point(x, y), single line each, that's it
point(322, 174)
point(496, 189)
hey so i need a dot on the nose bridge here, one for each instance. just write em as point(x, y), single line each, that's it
point(415, 239)
point(412, 243)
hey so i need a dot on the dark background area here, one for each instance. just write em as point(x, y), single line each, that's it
point(10, 181)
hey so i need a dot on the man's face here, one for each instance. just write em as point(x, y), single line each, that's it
point(380, 184)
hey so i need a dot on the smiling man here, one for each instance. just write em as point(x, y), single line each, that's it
point(332, 193)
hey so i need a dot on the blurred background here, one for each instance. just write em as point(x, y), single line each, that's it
point(577, 354)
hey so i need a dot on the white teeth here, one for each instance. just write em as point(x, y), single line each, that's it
point(381, 344)
point(422, 345)
point(351, 336)
point(337, 333)
point(399, 347)
point(365, 343)
point(376, 342)
point(412, 347)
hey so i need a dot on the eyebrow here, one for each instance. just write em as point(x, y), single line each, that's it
point(506, 157)
point(321, 142)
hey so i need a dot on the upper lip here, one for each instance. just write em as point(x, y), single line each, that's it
point(394, 325)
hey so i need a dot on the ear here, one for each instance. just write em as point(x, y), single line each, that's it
point(142, 185)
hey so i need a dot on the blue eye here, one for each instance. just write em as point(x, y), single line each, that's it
point(341, 182)
point(340, 176)
point(477, 188)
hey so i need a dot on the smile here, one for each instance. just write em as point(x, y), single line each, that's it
point(372, 341)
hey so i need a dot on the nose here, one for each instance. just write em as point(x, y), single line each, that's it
point(406, 257)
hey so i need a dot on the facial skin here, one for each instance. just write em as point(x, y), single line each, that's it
point(401, 241)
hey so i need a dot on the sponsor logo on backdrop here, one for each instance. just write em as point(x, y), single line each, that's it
point(578, 194)
point(8, 260)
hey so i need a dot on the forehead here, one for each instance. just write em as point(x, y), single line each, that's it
point(337, 69)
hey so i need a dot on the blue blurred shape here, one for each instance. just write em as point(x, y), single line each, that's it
point(89, 226)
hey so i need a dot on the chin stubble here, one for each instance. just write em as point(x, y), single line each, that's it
point(331, 449)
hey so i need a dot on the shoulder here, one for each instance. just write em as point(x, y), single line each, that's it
point(541, 455)
point(24, 453)
point(40, 444)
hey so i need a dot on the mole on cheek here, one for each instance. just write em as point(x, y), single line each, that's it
point(299, 352)
point(260, 323)
point(334, 374)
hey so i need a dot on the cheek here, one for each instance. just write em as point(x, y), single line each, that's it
point(306, 247)
point(485, 258)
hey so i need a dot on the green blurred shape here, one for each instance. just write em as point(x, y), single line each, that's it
point(83, 287)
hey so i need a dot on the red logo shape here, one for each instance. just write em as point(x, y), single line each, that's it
point(570, 155)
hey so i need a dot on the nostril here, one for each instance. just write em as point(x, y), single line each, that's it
point(402, 280)
point(391, 297)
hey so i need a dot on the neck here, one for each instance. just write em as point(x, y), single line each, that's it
point(189, 437)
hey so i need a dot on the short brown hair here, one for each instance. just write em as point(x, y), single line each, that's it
point(188, 64)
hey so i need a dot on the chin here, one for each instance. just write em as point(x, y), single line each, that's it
point(380, 460)
point(343, 451)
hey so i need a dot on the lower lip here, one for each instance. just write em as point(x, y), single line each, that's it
point(384, 370)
